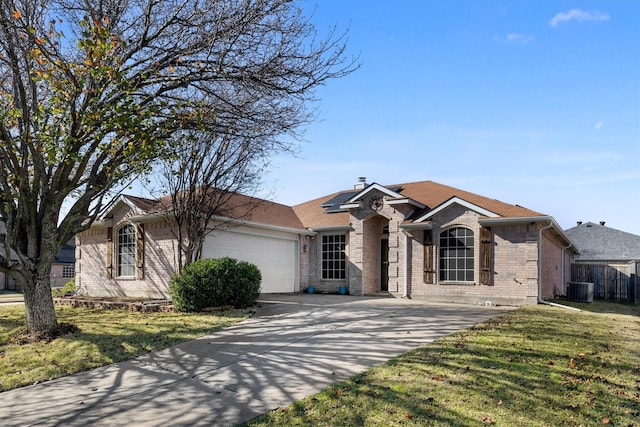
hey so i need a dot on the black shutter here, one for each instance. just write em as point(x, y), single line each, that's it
point(428, 272)
point(486, 256)
point(139, 251)
point(109, 260)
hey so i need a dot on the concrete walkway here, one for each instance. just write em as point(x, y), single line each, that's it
point(294, 347)
point(11, 297)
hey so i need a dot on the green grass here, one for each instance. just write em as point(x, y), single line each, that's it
point(104, 337)
point(534, 366)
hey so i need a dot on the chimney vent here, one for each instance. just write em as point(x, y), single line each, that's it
point(601, 222)
point(362, 182)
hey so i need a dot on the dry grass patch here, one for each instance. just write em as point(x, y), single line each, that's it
point(535, 366)
point(102, 337)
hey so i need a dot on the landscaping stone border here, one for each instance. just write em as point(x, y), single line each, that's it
point(141, 306)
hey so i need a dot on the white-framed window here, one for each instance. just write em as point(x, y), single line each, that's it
point(457, 255)
point(68, 271)
point(126, 251)
point(334, 264)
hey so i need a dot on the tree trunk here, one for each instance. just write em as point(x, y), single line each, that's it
point(41, 315)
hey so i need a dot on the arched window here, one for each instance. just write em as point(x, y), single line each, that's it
point(127, 251)
point(457, 255)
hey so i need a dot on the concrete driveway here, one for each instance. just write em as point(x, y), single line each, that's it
point(295, 346)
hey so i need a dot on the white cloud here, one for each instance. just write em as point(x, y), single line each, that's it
point(514, 38)
point(519, 38)
point(598, 125)
point(578, 15)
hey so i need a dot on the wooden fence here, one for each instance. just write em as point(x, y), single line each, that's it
point(617, 283)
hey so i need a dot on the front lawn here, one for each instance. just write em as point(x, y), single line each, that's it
point(534, 366)
point(104, 337)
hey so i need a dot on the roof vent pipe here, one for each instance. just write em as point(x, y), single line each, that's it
point(362, 182)
point(601, 222)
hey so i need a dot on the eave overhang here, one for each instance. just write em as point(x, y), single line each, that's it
point(427, 225)
point(348, 206)
point(374, 187)
point(329, 228)
point(405, 201)
point(390, 198)
point(540, 220)
point(456, 201)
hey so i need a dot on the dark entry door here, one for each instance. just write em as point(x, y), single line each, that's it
point(384, 265)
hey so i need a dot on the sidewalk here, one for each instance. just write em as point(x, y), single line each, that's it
point(10, 297)
point(294, 347)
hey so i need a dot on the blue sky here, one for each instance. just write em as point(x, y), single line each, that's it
point(535, 103)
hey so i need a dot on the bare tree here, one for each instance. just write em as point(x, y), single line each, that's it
point(207, 180)
point(92, 91)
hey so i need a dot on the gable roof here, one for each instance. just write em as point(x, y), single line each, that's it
point(246, 209)
point(313, 214)
point(331, 211)
point(597, 242)
point(455, 200)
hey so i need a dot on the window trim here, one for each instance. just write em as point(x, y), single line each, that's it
point(66, 268)
point(338, 257)
point(444, 274)
point(131, 244)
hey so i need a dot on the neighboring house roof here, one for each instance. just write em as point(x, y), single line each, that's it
point(66, 254)
point(321, 212)
point(597, 242)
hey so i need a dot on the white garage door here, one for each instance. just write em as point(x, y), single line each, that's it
point(276, 258)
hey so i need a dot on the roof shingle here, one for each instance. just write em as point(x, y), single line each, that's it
point(597, 242)
point(428, 193)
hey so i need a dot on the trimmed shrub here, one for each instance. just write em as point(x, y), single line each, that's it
point(215, 283)
point(69, 288)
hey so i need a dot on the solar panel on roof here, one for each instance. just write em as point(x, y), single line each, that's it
point(333, 205)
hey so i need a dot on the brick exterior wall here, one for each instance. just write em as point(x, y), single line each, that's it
point(514, 255)
point(515, 264)
point(313, 274)
point(363, 251)
point(554, 268)
point(160, 261)
point(514, 251)
point(306, 243)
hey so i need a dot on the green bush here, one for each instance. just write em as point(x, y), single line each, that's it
point(69, 288)
point(215, 283)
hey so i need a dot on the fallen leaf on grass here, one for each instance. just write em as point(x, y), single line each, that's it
point(487, 420)
point(436, 378)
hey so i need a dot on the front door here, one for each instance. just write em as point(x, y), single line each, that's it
point(384, 264)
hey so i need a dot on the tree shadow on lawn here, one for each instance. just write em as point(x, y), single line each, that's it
point(137, 333)
point(510, 370)
point(94, 338)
